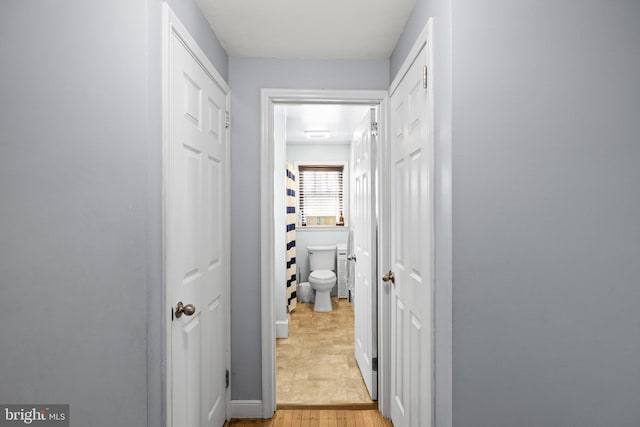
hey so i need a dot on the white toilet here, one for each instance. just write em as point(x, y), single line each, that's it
point(322, 264)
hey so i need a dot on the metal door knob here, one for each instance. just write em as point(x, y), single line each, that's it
point(389, 277)
point(187, 310)
point(351, 258)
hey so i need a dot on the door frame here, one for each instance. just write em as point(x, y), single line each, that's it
point(268, 98)
point(171, 24)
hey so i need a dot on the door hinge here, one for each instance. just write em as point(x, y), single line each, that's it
point(374, 128)
point(227, 120)
point(425, 75)
point(374, 364)
point(172, 314)
point(226, 379)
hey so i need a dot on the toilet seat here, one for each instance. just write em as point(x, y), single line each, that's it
point(322, 277)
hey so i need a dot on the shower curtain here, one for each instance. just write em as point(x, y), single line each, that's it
point(291, 239)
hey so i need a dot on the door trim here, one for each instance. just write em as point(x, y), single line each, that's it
point(269, 97)
point(171, 25)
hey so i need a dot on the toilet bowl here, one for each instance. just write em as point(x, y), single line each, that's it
point(322, 281)
point(322, 263)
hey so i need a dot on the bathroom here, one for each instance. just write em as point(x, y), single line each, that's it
point(314, 138)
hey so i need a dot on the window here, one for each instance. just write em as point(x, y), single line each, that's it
point(321, 195)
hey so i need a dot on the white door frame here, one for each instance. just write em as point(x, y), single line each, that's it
point(172, 25)
point(269, 97)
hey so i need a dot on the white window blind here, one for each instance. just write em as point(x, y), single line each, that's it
point(320, 191)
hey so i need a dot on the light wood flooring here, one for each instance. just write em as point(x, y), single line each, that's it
point(318, 418)
point(316, 364)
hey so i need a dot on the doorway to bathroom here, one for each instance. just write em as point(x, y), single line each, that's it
point(325, 144)
point(316, 343)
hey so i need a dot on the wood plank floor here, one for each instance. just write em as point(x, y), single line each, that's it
point(317, 418)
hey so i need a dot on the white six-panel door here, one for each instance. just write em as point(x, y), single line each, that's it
point(364, 247)
point(411, 147)
point(197, 255)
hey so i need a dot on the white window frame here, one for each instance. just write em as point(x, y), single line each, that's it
point(346, 183)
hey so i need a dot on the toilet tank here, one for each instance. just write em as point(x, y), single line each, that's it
point(322, 257)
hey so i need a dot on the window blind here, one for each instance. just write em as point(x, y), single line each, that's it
point(320, 191)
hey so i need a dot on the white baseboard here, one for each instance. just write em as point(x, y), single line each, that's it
point(246, 409)
point(282, 328)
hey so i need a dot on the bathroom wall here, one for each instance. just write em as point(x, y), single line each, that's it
point(314, 236)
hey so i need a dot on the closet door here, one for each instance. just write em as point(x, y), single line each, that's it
point(197, 239)
point(412, 218)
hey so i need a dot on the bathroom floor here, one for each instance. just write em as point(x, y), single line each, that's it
point(316, 365)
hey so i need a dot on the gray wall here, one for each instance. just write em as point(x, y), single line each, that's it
point(247, 76)
point(546, 230)
point(80, 218)
point(73, 273)
point(155, 275)
point(415, 24)
point(440, 11)
point(190, 15)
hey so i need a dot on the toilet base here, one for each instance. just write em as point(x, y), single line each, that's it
point(323, 301)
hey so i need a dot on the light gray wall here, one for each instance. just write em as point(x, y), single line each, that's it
point(546, 208)
point(190, 15)
point(73, 259)
point(247, 76)
point(440, 12)
point(81, 225)
point(416, 22)
point(155, 274)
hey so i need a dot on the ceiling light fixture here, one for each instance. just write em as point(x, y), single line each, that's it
point(317, 134)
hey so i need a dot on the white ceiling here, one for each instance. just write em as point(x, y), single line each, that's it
point(326, 29)
point(340, 120)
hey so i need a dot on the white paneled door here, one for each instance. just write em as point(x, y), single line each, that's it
point(411, 276)
point(364, 249)
point(197, 253)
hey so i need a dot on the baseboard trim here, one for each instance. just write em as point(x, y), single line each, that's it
point(282, 328)
point(246, 409)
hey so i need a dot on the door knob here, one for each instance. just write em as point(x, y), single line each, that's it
point(351, 258)
point(389, 277)
point(187, 310)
